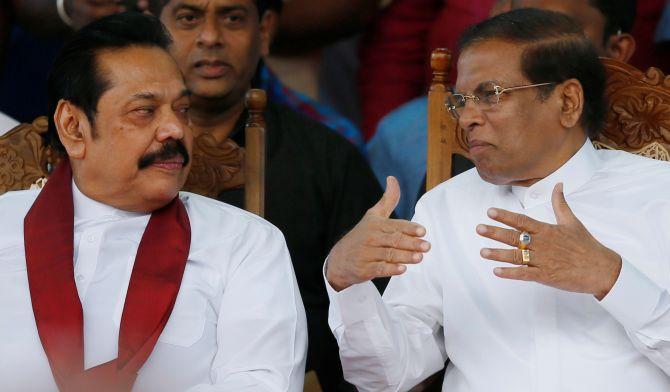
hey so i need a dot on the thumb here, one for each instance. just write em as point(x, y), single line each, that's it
point(562, 211)
point(389, 200)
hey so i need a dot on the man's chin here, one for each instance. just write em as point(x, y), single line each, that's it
point(489, 174)
point(210, 88)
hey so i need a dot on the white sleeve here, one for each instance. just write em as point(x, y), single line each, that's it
point(262, 330)
point(391, 344)
point(643, 309)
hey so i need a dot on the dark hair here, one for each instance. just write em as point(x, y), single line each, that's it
point(75, 75)
point(156, 6)
point(619, 15)
point(555, 50)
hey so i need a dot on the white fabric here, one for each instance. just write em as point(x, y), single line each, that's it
point(513, 336)
point(6, 123)
point(238, 322)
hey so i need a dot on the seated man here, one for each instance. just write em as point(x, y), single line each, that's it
point(399, 147)
point(112, 280)
point(318, 184)
point(522, 289)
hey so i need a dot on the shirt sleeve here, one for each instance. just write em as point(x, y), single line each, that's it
point(643, 309)
point(395, 342)
point(261, 329)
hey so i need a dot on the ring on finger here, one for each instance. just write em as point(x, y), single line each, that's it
point(525, 256)
point(524, 240)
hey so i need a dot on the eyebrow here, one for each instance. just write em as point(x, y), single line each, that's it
point(189, 7)
point(221, 10)
point(147, 95)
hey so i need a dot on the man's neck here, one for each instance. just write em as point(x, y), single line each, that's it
point(563, 154)
point(215, 117)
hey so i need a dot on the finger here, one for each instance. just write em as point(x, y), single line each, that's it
point(389, 200)
point(506, 236)
point(511, 256)
point(563, 212)
point(400, 241)
point(390, 226)
point(529, 274)
point(384, 270)
point(143, 5)
point(518, 221)
point(395, 256)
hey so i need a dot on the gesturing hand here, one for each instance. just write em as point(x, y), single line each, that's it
point(83, 12)
point(377, 246)
point(565, 256)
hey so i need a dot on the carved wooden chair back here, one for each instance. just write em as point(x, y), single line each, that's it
point(24, 160)
point(445, 137)
point(638, 116)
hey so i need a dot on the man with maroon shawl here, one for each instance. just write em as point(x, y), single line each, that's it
point(110, 279)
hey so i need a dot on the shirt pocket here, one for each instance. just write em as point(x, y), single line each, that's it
point(187, 320)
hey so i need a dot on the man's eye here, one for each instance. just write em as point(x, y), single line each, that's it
point(187, 19)
point(234, 19)
point(145, 111)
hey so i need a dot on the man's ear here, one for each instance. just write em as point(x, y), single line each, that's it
point(70, 121)
point(620, 47)
point(268, 26)
point(572, 102)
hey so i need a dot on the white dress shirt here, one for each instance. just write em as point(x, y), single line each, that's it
point(6, 123)
point(514, 336)
point(238, 322)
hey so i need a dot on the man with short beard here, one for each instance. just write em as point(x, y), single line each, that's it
point(112, 280)
point(318, 184)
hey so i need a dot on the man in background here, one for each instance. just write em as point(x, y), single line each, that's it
point(318, 184)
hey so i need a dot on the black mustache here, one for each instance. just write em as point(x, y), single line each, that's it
point(170, 149)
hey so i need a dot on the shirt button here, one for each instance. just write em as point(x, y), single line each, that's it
point(80, 277)
point(534, 195)
point(91, 238)
point(361, 300)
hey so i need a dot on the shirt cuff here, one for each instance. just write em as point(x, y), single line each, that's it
point(351, 305)
point(633, 298)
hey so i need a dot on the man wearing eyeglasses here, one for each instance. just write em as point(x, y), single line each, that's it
point(546, 268)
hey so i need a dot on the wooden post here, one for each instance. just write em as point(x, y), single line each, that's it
point(440, 137)
point(254, 162)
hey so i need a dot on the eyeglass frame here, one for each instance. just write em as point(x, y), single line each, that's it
point(498, 91)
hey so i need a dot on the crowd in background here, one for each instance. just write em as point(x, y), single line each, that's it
point(356, 66)
point(348, 64)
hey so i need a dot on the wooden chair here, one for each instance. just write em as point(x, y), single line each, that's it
point(638, 121)
point(23, 158)
point(215, 166)
point(638, 116)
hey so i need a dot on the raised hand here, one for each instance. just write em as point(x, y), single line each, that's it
point(378, 246)
point(83, 12)
point(565, 255)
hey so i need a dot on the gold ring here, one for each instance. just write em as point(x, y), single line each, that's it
point(524, 240)
point(525, 256)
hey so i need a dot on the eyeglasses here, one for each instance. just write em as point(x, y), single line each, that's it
point(487, 94)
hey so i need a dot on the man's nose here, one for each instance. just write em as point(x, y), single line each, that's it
point(170, 128)
point(210, 34)
point(471, 114)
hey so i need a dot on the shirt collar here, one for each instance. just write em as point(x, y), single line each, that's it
point(86, 208)
point(573, 174)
